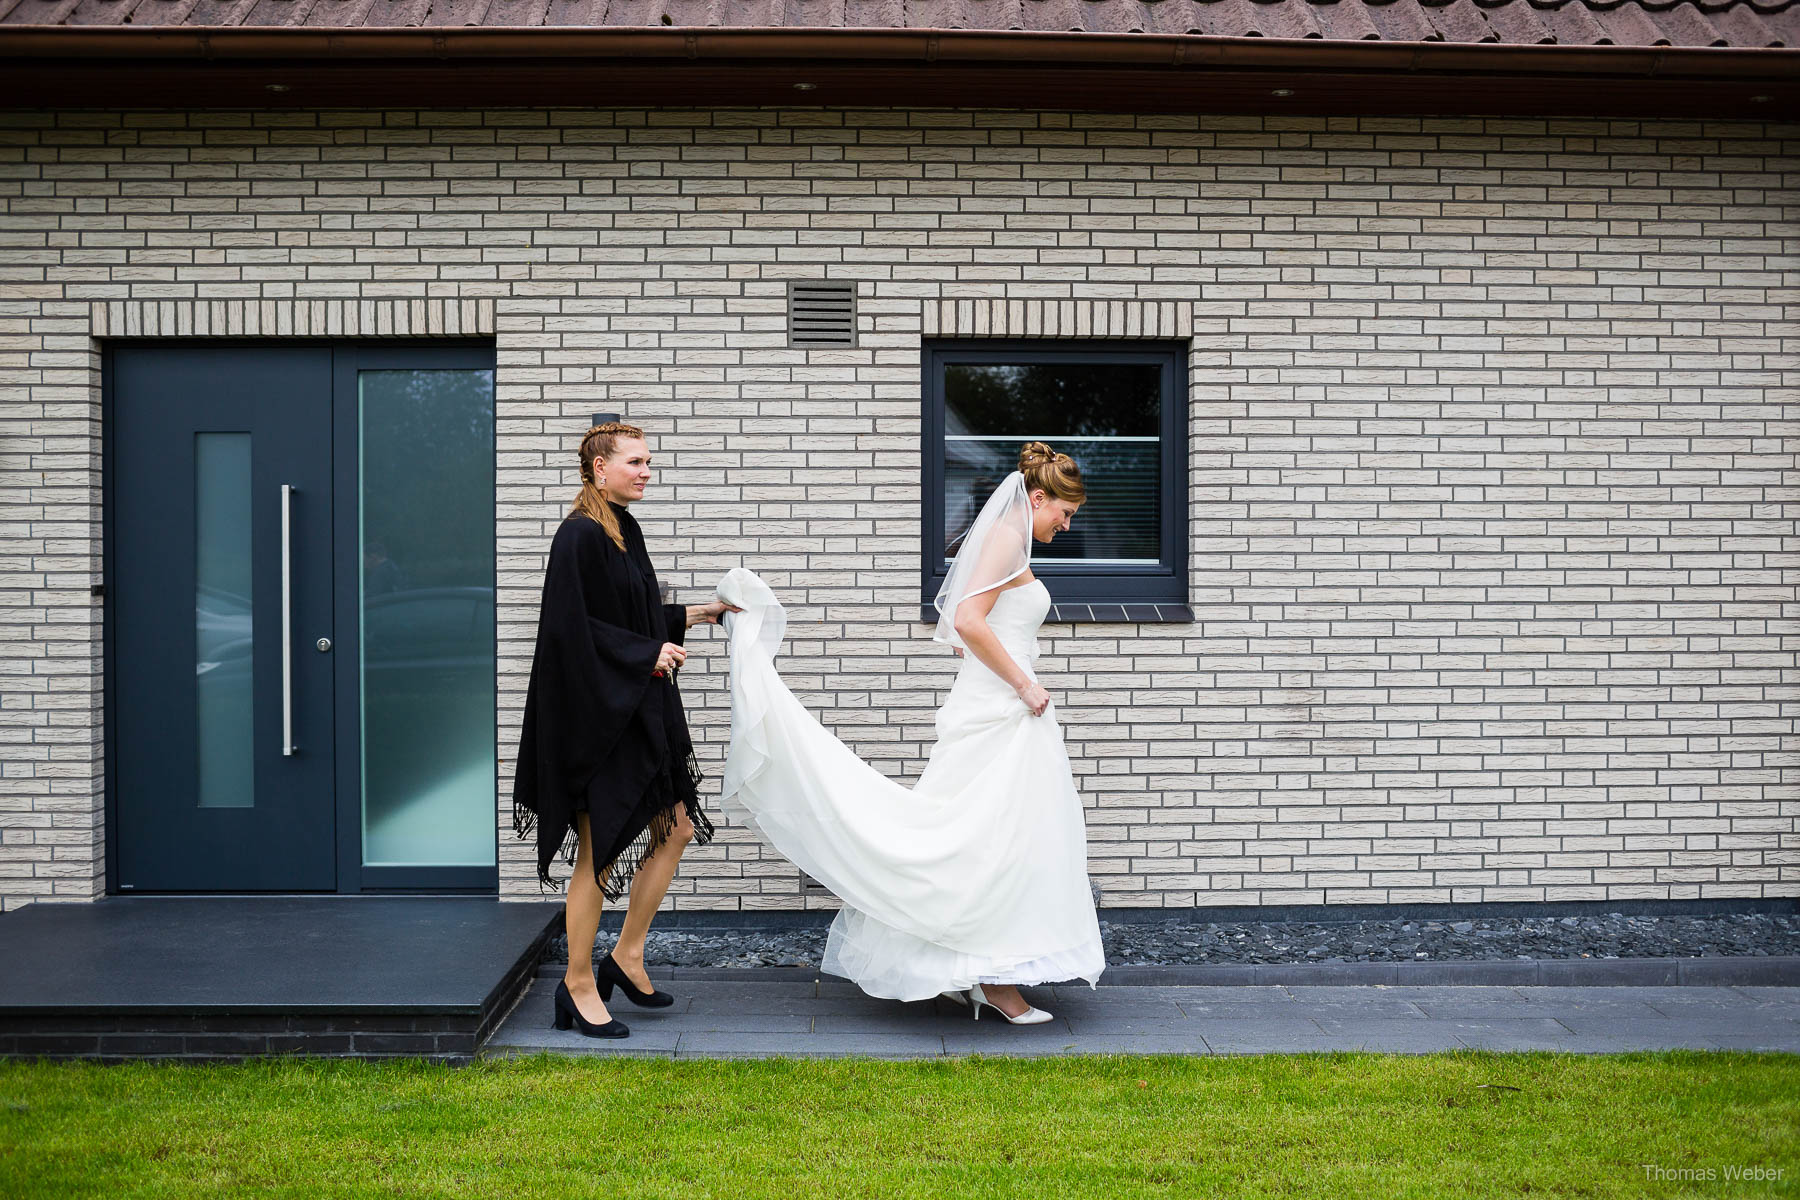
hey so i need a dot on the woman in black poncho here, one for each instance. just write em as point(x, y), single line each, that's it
point(605, 761)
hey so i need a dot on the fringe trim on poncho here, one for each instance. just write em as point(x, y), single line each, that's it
point(615, 877)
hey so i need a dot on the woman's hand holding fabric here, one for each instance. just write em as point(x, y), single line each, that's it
point(708, 613)
point(1035, 698)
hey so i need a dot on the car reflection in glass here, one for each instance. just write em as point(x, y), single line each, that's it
point(427, 708)
point(222, 628)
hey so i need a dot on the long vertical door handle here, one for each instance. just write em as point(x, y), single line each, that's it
point(287, 619)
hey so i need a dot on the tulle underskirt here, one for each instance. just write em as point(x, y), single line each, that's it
point(895, 965)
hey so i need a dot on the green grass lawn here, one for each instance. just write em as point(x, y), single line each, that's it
point(1339, 1125)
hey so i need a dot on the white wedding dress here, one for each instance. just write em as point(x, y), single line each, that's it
point(978, 874)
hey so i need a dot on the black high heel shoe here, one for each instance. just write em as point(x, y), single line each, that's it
point(568, 1015)
point(610, 973)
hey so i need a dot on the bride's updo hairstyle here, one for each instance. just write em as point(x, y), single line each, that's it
point(1055, 474)
point(599, 442)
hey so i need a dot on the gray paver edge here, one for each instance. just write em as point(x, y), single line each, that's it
point(1537, 972)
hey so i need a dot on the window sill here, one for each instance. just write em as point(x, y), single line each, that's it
point(1095, 614)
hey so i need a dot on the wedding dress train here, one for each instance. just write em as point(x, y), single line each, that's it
point(977, 874)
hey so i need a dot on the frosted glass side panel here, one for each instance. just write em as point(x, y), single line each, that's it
point(225, 703)
point(427, 601)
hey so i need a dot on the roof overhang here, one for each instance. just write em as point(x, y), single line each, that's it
point(271, 67)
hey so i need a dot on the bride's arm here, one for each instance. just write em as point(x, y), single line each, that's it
point(971, 625)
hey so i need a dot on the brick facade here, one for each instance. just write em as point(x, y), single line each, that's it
point(1489, 553)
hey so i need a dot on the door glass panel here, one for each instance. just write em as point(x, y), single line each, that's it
point(426, 476)
point(225, 703)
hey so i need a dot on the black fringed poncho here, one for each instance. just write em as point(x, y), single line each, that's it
point(602, 734)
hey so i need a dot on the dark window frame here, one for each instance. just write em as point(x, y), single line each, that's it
point(1073, 584)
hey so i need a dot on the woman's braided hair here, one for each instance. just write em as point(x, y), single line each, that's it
point(1055, 474)
point(599, 442)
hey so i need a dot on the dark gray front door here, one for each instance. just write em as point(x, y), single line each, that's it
point(300, 618)
point(220, 610)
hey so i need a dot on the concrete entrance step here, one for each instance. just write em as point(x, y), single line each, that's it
point(230, 977)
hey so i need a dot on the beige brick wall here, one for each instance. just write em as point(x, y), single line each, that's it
point(1490, 424)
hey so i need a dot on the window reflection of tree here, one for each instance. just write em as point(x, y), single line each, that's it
point(1054, 399)
point(428, 474)
point(1062, 403)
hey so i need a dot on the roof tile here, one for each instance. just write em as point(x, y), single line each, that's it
point(937, 14)
point(1289, 21)
point(1461, 21)
point(395, 14)
point(160, 12)
point(279, 12)
point(1706, 23)
point(506, 14)
point(814, 14)
point(445, 14)
point(1630, 25)
point(1689, 27)
point(1167, 19)
point(1573, 25)
point(1231, 18)
point(1519, 24)
point(1049, 16)
point(1404, 23)
point(877, 14)
point(1348, 21)
point(1107, 16)
point(220, 13)
point(1743, 27)
point(575, 12)
point(103, 12)
point(328, 14)
point(39, 12)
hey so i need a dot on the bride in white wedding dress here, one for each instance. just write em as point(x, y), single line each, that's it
point(976, 877)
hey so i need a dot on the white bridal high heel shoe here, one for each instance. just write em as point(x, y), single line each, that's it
point(1031, 1016)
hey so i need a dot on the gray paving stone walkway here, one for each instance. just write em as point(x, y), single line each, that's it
point(829, 1017)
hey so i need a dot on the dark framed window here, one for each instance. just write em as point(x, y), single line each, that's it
point(1120, 408)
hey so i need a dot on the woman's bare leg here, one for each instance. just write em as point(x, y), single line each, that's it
point(648, 887)
point(581, 917)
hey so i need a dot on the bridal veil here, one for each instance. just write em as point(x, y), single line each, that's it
point(995, 551)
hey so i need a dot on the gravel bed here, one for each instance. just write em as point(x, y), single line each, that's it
point(1161, 943)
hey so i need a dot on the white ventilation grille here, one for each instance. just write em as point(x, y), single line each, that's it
point(821, 315)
